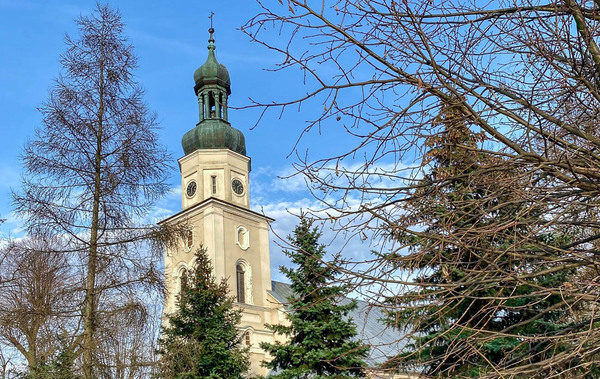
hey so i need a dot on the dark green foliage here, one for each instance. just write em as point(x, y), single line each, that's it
point(322, 341)
point(59, 366)
point(63, 365)
point(201, 339)
point(481, 300)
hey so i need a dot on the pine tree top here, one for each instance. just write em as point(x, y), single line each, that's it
point(201, 339)
point(321, 339)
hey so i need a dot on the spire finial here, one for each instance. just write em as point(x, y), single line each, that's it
point(211, 30)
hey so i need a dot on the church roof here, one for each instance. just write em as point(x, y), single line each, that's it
point(213, 200)
point(212, 72)
point(214, 134)
point(384, 340)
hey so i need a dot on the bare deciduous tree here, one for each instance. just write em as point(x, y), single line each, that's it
point(6, 361)
point(525, 76)
point(39, 303)
point(93, 171)
point(129, 340)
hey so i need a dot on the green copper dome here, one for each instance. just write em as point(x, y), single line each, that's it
point(213, 87)
point(212, 72)
point(214, 134)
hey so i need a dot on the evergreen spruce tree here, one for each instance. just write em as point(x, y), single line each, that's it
point(201, 339)
point(471, 222)
point(322, 341)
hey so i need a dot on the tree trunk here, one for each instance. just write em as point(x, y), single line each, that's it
point(89, 317)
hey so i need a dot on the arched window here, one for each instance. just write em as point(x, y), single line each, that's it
point(182, 279)
point(240, 275)
point(247, 338)
point(243, 282)
point(212, 105)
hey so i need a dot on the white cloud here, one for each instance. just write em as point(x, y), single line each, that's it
point(12, 226)
point(354, 245)
point(354, 239)
point(166, 207)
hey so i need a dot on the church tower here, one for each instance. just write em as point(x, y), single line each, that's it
point(215, 203)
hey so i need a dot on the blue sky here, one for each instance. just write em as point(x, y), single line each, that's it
point(170, 39)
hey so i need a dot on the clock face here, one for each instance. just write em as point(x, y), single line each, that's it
point(237, 186)
point(191, 188)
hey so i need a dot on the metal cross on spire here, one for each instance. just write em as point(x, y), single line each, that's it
point(211, 39)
